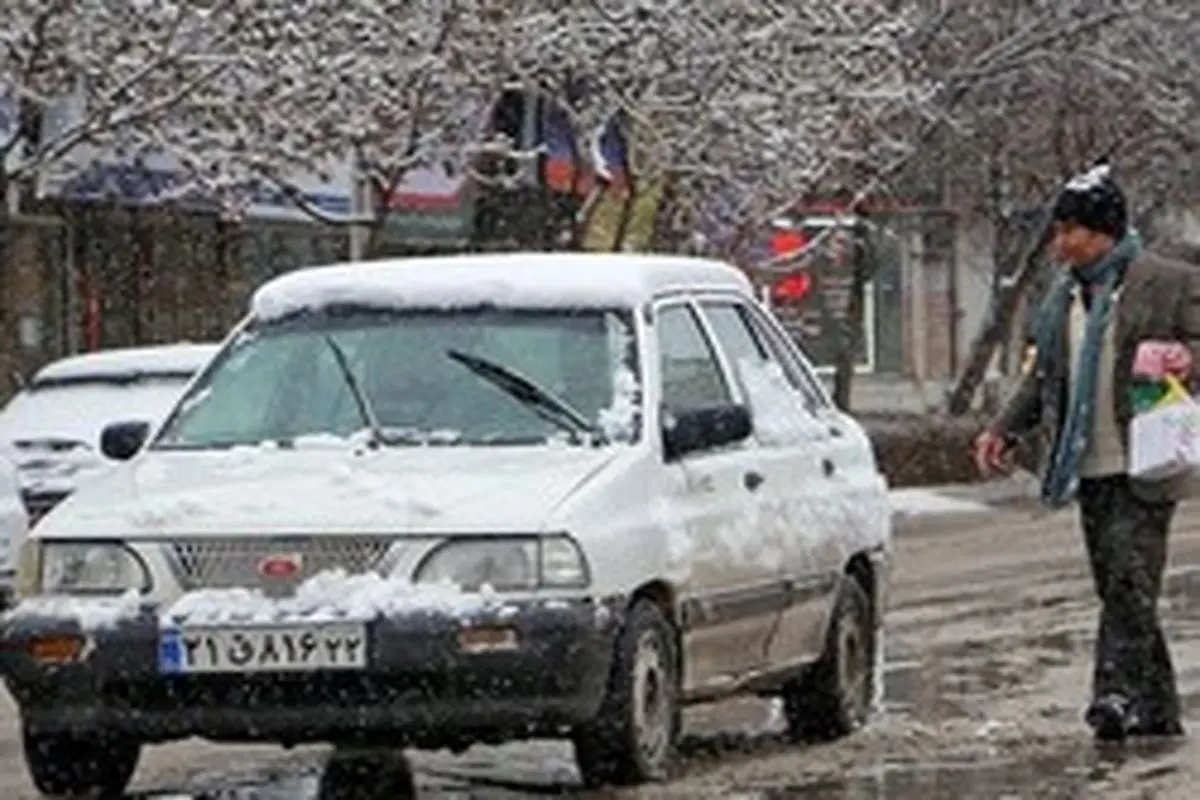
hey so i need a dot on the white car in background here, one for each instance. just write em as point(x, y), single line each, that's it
point(14, 525)
point(52, 427)
point(434, 502)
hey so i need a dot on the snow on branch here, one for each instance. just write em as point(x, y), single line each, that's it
point(746, 107)
point(81, 78)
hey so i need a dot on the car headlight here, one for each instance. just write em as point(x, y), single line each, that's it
point(89, 568)
point(506, 564)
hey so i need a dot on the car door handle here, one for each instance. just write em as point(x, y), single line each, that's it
point(752, 480)
point(828, 467)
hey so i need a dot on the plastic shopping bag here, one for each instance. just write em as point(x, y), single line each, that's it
point(1164, 442)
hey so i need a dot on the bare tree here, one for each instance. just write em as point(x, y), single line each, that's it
point(379, 89)
point(734, 111)
point(1114, 88)
point(82, 81)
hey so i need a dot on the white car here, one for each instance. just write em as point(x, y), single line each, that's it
point(14, 525)
point(435, 502)
point(51, 428)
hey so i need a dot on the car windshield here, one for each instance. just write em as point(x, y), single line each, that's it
point(482, 377)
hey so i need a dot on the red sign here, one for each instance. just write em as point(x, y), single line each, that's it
point(791, 288)
point(788, 241)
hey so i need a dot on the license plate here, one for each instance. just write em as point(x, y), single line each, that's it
point(262, 649)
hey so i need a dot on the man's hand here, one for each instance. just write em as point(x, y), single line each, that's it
point(1157, 359)
point(993, 456)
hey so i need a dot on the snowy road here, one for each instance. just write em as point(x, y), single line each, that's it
point(990, 626)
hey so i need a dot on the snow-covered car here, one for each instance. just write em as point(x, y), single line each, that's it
point(14, 525)
point(52, 427)
point(434, 502)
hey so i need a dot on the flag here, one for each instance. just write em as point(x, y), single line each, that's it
point(610, 154)
point(559, 152)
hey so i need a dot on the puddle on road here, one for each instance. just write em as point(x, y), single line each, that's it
point(752, 731)
point(741, 728)
point(1076, 775)
point(1075, 772)
point(1063, 777)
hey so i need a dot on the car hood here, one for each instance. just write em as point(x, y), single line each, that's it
point(280, 492)
point(53, 433)
point(54, 465)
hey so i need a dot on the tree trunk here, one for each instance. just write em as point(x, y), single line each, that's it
point(665, 233)
point(852, 327)
point(628, 203)
point(1005, 300)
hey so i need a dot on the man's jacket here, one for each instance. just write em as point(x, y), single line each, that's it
point(1160, 300)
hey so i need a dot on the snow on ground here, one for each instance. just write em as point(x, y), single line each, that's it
point(920, 501)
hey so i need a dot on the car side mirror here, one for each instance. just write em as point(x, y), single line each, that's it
point(121, 441)
point(704, 428)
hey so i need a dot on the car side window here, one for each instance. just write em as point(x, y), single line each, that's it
point(798, 374)
point(691, 377)
point(734, 334)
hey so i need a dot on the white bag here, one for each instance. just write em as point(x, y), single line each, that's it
point(1165, 441)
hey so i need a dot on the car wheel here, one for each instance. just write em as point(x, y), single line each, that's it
point(834, 696)
point(632, 739)
point(71, 765)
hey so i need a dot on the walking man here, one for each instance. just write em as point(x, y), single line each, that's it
point(1112, 305)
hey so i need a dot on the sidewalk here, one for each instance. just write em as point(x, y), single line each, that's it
point(967, 498)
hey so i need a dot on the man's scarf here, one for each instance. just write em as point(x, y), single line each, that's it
point(1074, 433)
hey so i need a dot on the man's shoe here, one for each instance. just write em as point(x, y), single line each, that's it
point(1109, 718)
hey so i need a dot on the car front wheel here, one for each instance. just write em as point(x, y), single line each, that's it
point(68, 765)
point(633, 738)
point(834, 696)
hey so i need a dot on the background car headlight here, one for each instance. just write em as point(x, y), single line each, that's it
point(91, 568)
point(506, 564)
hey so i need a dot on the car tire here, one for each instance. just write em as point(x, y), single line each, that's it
point(834, 696)
point(633, 737)
point(74, 765)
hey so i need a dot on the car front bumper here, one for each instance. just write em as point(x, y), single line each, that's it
point(420, 686)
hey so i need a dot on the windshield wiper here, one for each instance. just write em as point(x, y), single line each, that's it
point(365, 410)
point(545, 404)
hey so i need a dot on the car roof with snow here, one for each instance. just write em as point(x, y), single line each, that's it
point(180, 360)
point(527, 280)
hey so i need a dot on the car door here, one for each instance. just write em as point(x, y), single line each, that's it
point(864, 510)
point(795, 445)
point(726, 568)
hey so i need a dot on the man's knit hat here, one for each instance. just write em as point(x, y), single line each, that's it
point(1093, 199)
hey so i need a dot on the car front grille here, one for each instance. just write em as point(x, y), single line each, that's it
point(39, 504)
point(224, 563)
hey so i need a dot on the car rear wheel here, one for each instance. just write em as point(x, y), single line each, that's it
point(70, 765)
point(633, 738)
point(834, 696)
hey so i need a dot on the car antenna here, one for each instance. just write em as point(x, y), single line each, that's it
point(365, 409)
